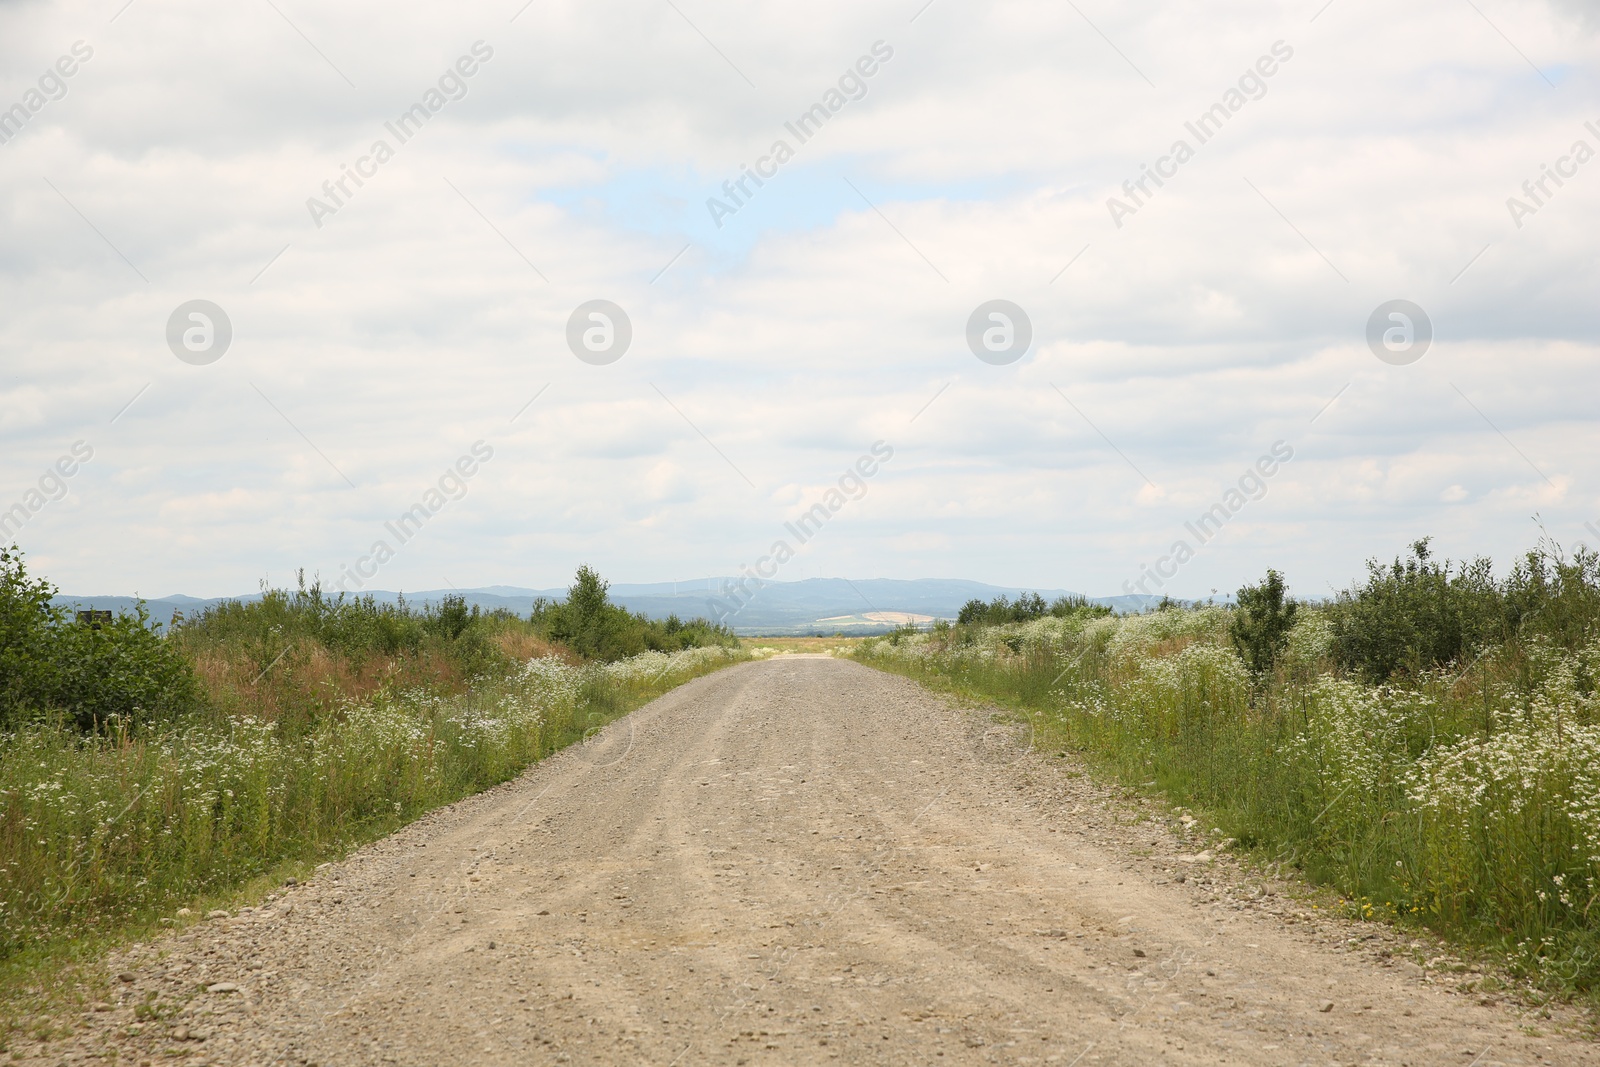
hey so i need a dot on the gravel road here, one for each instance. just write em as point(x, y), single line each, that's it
point(796, 861)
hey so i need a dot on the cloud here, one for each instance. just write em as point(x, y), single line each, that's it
point(575, 163)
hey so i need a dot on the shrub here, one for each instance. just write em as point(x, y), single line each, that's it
point(26, 624)
point(1417, 614)
point(1554, 597)
point(903, 631)
point(450, 618)
point(593, 627)
point(1026, 608)
point(347, 626)
point(1262, 622)
point(117, 670)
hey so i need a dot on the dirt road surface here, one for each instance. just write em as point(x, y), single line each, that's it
point(794, 861)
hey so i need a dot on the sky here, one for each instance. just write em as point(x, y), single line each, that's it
point(1352, 309)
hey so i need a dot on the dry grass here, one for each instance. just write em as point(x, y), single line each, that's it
point(799, 644)
point(306, 680)
point(522, 646)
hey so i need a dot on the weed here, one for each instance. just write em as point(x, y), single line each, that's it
point(309, 725)
point(1428, 744)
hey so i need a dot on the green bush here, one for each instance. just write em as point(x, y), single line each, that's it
point(27, 621)
point(904, 630)
point(49, 663)
point(346, 626)
point(450, 618)
point(1261, 623)
point(593, 627)
point(1026, 608)
point(1417, 615)
point(1555, 598)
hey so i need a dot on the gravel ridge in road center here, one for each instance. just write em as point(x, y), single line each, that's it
point(793, 861)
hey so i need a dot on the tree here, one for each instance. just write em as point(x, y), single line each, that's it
point(972, 612)
point(1262, 621)
point(28, 675)
point(586, 613)
point(594, 628)
point(48, 661)
point(450, 618)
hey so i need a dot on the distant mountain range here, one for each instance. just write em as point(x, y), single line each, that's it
point(811, 606)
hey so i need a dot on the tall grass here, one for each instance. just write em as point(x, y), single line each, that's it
point(1464, 796)
point(294, 657)
point(304, 725)
point(109, 829)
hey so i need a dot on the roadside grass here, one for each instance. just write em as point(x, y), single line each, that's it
point(142, 772)
point(1463, 799)
point(103, 837)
